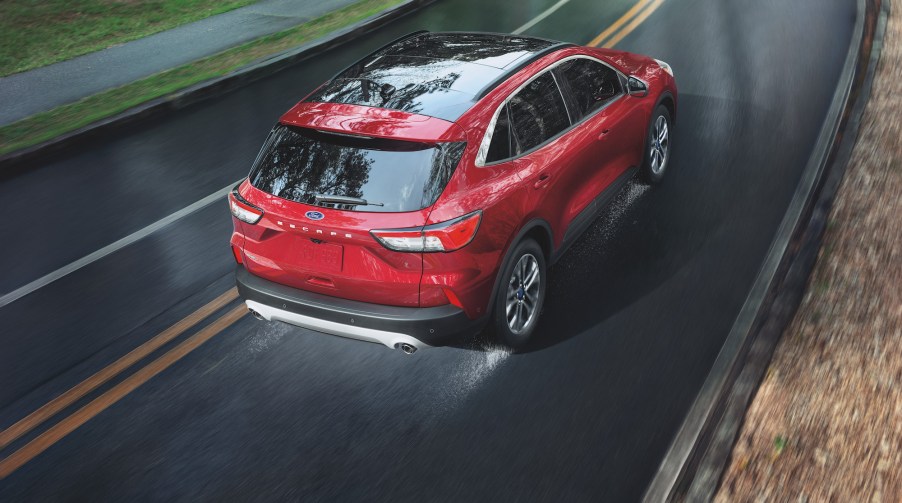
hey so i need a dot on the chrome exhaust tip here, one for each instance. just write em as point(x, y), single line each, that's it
point(255, 314)
point(408, 349)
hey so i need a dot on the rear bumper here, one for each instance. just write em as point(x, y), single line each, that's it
point(388, 325)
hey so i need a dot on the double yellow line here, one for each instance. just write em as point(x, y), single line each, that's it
point(633, 18)
point(56, 432)
point(608, 38)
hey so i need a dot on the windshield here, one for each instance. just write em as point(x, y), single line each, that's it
point(299, 164)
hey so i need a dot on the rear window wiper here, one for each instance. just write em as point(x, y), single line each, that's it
point(343, 200)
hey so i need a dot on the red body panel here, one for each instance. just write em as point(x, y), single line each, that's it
point(549, 186)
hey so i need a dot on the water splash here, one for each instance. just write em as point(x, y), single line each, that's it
point(593, 245)
point(611, 219)
point(268, 334)
point(473, 371)
point(468, 374)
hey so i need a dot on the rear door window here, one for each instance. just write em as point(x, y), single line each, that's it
point(537, 113)
point(391, 175)
point(591, 84)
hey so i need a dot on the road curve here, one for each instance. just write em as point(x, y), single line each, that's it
point(637, 310)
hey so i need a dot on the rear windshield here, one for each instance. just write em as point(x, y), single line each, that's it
point(300, 164)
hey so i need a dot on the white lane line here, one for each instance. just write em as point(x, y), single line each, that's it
point(549, 11)
point(22, 291)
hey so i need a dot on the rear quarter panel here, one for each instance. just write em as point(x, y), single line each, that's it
point(470, 272)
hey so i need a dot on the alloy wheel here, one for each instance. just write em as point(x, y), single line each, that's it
point(660, 145)
point(523, 294)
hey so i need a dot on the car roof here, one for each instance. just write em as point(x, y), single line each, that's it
point(433, 74)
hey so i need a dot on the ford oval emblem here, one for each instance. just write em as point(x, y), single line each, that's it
point(314, 215)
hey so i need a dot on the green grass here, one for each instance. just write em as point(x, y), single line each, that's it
point(36, 33)
point(47, 125)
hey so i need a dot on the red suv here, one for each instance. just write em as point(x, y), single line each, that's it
point(423, 192)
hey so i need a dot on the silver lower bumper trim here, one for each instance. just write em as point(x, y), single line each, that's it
point(389, 339)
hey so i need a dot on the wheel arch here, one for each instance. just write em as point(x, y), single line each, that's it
point(666, 98)
point(536, 229)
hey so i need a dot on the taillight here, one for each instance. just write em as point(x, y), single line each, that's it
point(444, 237)
point(243, 210)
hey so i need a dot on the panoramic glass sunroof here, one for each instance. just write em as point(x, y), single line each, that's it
point(438, 75)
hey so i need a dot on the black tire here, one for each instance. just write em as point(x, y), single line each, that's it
point(653, 169)
point(506, 331)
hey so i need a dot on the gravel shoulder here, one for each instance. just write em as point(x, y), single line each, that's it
point(826, 423)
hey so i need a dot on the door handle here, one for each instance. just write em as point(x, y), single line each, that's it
point(542, 180)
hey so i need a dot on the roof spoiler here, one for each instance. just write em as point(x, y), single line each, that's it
point(361, 120)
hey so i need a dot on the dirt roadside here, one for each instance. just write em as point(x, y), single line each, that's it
point(826, 422)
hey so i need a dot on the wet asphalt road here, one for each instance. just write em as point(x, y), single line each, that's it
point(636, 313)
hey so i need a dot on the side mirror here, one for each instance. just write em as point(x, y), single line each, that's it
point(636, 87)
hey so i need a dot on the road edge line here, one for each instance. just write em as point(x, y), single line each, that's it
point(704, 441)
point(14, 163)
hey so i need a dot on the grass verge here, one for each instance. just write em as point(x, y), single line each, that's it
point(35, 33)
point(66, 118)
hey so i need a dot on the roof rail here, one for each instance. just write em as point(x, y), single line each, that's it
point(370, 55)
point(395, 41)
point(519, 66)
point(506, 35)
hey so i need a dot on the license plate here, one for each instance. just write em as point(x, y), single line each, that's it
point(325, 255)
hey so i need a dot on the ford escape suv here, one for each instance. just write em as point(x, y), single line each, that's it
point(423, 192)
